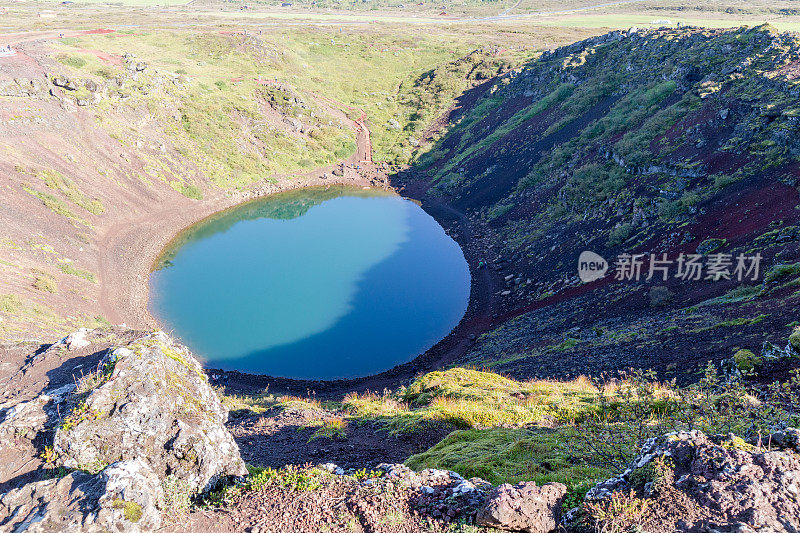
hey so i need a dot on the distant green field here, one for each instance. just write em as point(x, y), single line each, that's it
point(135, 3)
point(625, 20)
point(568, 20)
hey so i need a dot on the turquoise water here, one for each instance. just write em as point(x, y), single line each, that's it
point(318, 284)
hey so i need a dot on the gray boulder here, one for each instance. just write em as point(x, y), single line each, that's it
point(151, 401)
point(124, 497)
point(523, 507)
point(64, 83)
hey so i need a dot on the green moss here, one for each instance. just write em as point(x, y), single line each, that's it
point(710, 245)
point(132, 511)
point(502, 455)
point(737, 295)
point(746, 360)
point(794, 340)
point(737, 443)
point(731, 323)
point(568, 344)
point(782, 271)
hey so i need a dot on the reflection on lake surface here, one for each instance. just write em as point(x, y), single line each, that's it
point(319, 283)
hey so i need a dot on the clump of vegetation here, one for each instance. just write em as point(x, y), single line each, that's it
point(80, 413)
point(746, 360)
point(52, 203)
point(10, 303)
point(45, 283)
point(618, 514)
point(68, 268)
point(332, 428)
point(620, 234)
point(189, 190)
point(132, 511)
point(794, 340)
point(710, 245)
point(73, 61)
point(656, 475)
point(58, 182)
point(782, 271)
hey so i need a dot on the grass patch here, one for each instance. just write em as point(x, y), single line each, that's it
point(189, 190)
point(737, 295)
point(67, 268)
point(469, 398)
point(332, 428)
point(502, 455)
point(58, 182)
point(731, 323)
point(782, 271)
point(54, 204)
point(45, 283)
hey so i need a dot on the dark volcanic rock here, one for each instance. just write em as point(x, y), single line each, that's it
point(714, 483)
point(523, 507)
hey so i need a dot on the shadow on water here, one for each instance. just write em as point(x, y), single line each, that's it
point(387, 335)
point(347, 291)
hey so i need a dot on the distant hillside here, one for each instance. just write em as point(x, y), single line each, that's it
point(656, 142)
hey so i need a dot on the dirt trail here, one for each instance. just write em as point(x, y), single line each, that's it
point(14, 39)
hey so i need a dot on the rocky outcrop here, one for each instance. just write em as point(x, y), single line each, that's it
point(125, 496)
point(155, 404)
point(523, 507)
point(146, 416)
point(694, 482)
point(21, 87)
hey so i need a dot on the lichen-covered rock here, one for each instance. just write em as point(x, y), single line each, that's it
point(523, 507)
point(713, 483)
point(123, 497)
point(151, 401)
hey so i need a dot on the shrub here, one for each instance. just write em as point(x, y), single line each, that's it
point(620, 234)
point(660, 296)
point(618, 514)
point(659, 473)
